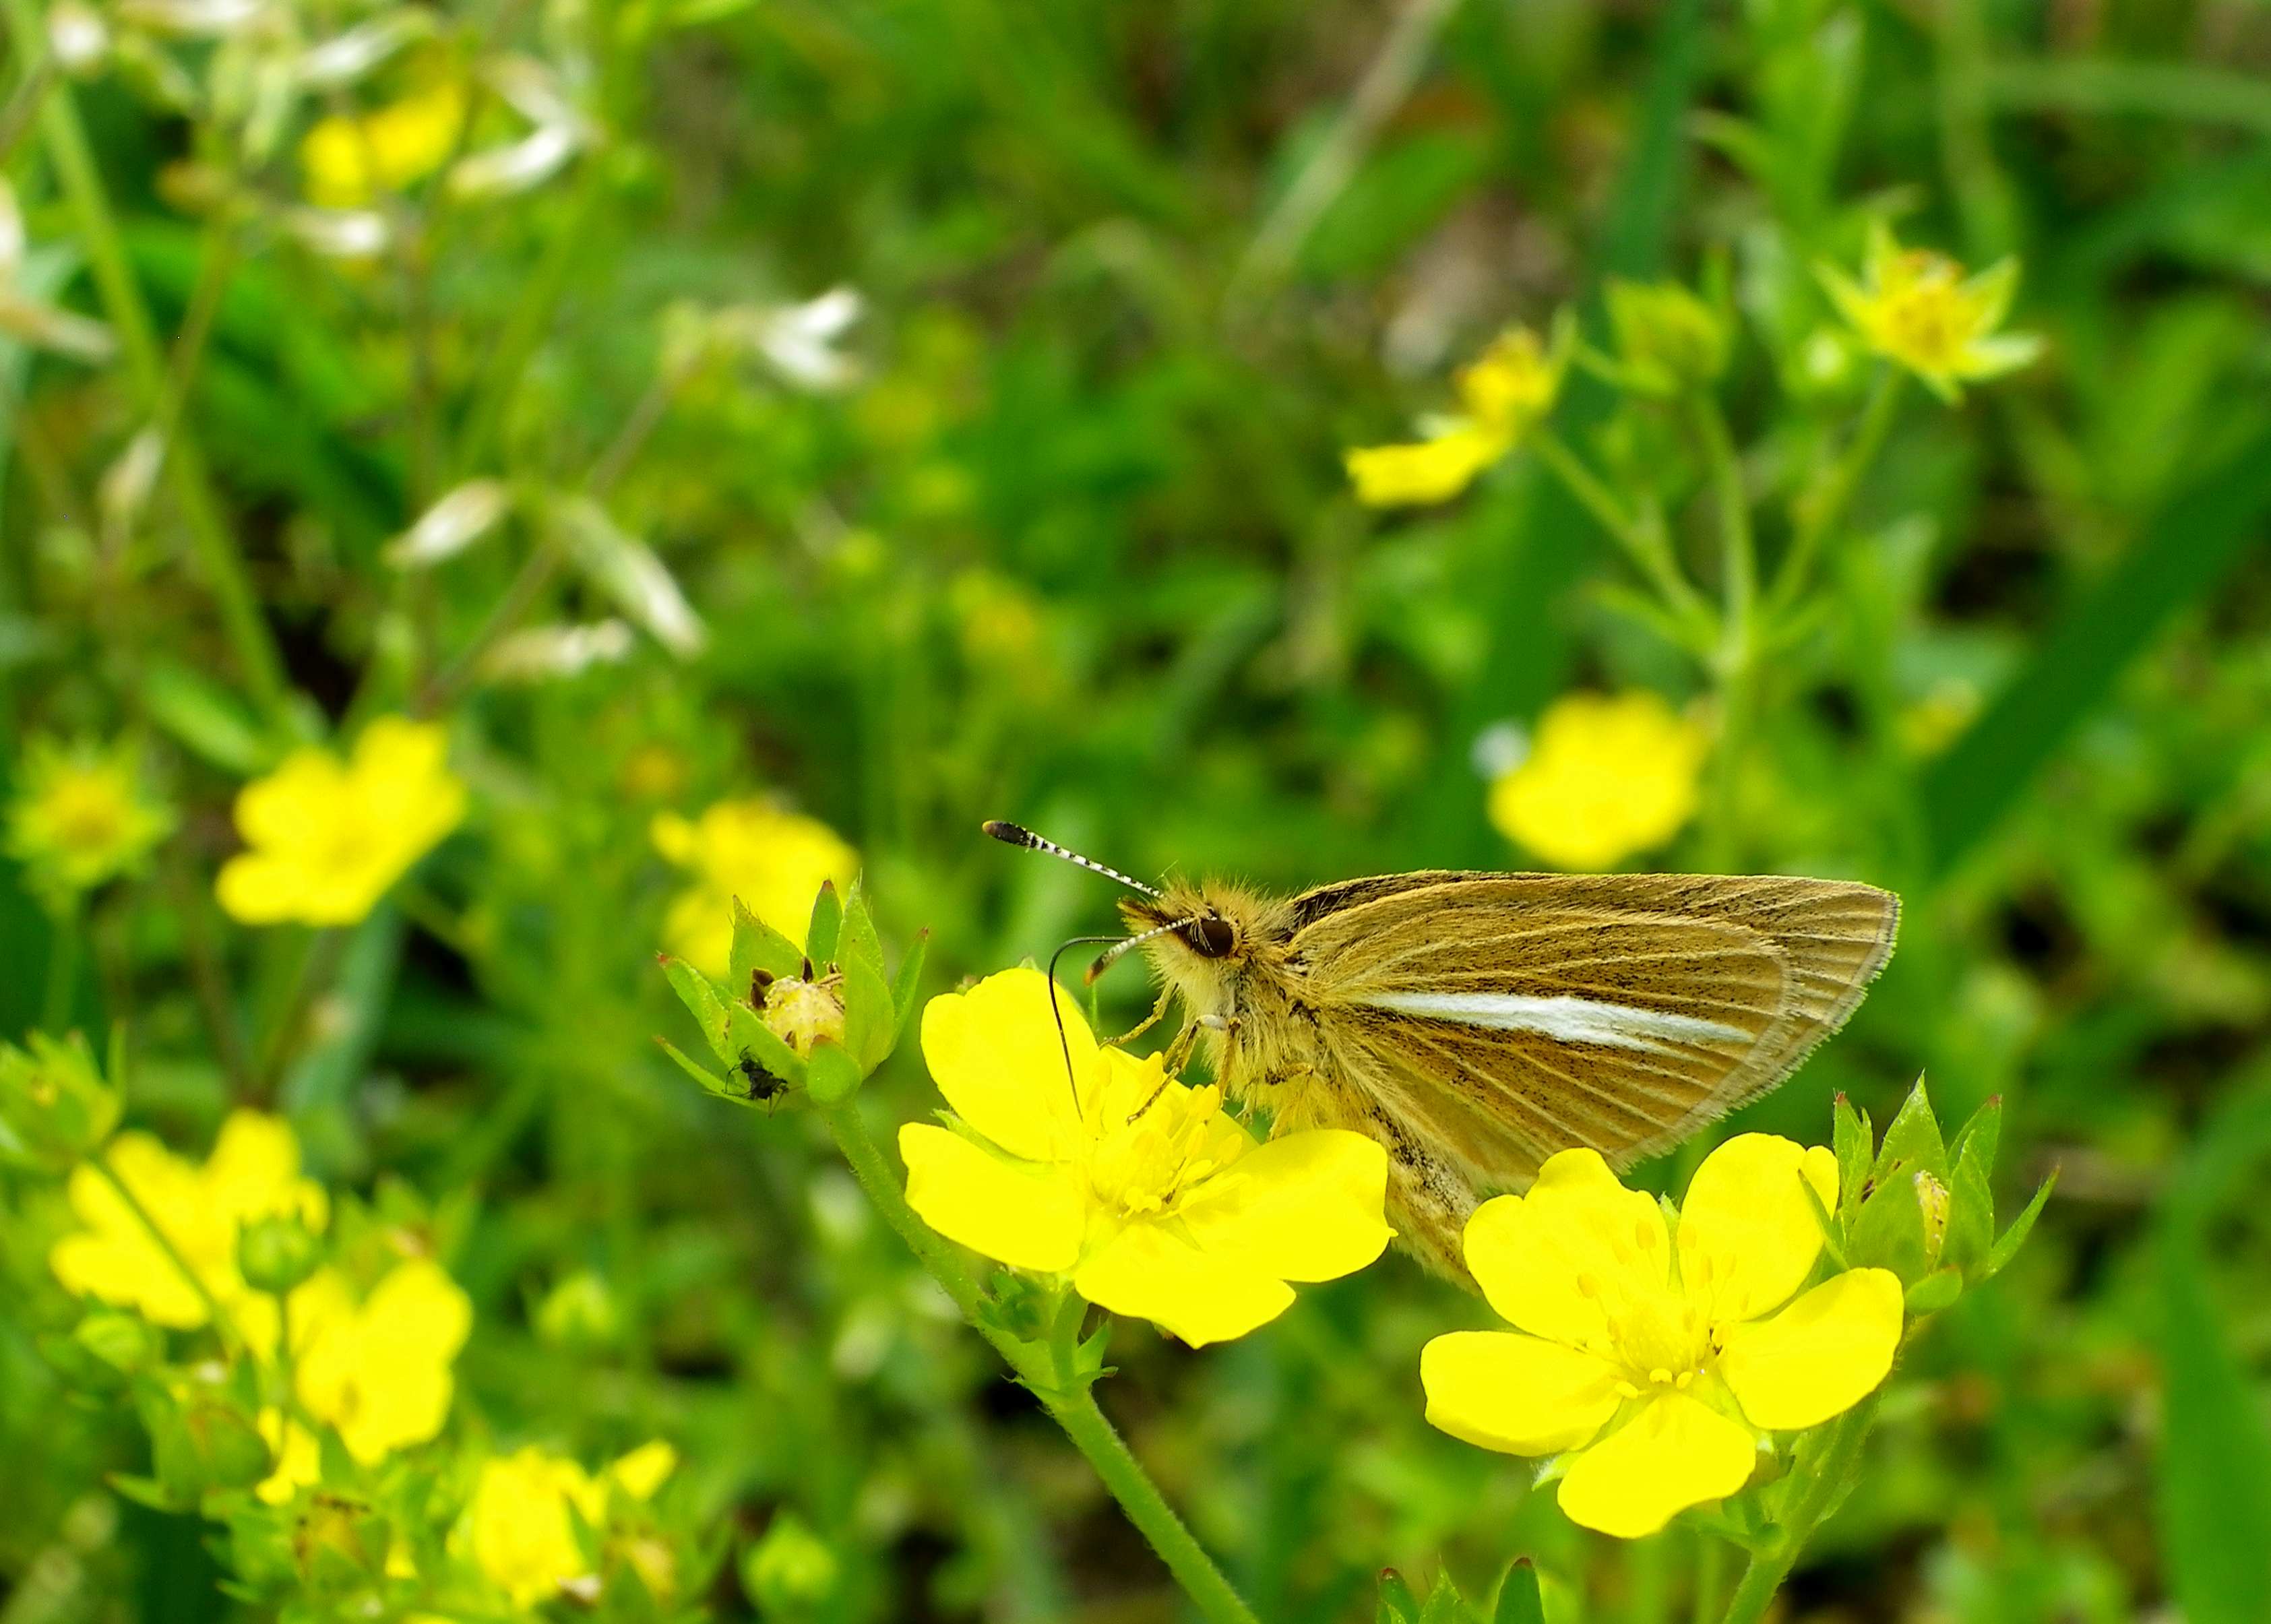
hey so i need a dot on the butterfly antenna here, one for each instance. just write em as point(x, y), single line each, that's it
point(1120, 948)
point(1016, 834)
point(1064, 1043)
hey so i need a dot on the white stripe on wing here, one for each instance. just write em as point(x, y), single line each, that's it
point(1564, 1019)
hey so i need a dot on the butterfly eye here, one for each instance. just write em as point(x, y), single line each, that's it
point(1211, 937)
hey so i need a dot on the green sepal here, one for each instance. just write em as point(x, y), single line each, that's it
point(907, 984)
point(748, 1035)
point(1855, 1153)
point(1445, 1604)
point(702, 1003)
point(870, 1020)
point(1982, 1137)
point(1833, 1230)
point(856, 941)
point(1519, 1599)
point(1913, 1142)
point(143, 1492)
point(710, 1080)
point(827, 924)
point(831, 1075)
point(1398, 1604)
point(758, 946)
point(1936, 1291)
point(1889, 1233)
point(1970, 1207)
point(2007, 1244)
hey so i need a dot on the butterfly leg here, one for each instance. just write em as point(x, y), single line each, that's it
point(1158, 1012)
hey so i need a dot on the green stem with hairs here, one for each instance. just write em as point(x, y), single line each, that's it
point(1046, 1369)
point(66, 925)
point(1823, 505)
point(1738, 642)
point(1641, 537)
point(1833, 1470)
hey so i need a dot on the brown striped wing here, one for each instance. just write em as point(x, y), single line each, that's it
point(1770, 966)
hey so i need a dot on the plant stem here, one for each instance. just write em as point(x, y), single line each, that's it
point(221, 1321)
point(1046, 1370)
point(66, 926)
point(1770, 1566)
point(216, 548)
point(1823, 504)
point(1738, 650)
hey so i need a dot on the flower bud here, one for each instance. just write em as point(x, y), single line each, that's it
point(104, 1352)
point(276, 1251)
point(200, 1442)
point(1669, 340)
point(801, 1011)
point(791, 1571)
point(339, 1543)
point(579, 1312)
point(54, 1110)
point(1932, 1200)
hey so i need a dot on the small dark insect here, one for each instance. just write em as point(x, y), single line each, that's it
point(763, 1084)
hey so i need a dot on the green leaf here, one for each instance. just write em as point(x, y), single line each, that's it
point(1912, 1143)
point(2215, 1481)
point(2006, 1246)
point(207, 717)
point(827, 923)
point(747, 1034)
point(702, 1003)
point(1519, 1601)
point(2178, 559)
point(831, 1077)
point(758, 946)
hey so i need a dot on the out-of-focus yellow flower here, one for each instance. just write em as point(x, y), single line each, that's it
point(328, 838)
point(376, 1370)
point(1917, 308)
point(348, 160)
point(81, 817)
point(1504, 392)
point(1654, 1354)
point(518, 1529)
point(1606, 778)
point(774, 861)
point(1153, 1201)
point(254, 1171)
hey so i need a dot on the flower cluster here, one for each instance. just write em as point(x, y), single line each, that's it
point(1917, 309)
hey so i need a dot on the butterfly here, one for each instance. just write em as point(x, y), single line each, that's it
point(1475, 1023)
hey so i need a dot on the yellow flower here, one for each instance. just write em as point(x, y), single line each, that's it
point(1506, 391)
point(1153, 1202)
point(1606, 778)
point(773, 860)
point(1917, 308)
point(254, 1171)
point(349, 160)
point(520, 1533)
point(1650, 1349)
point(375, 1370)
point(81, 817)
point(327, 839)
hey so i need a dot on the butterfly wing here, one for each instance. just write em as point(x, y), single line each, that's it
point(1481, 1022)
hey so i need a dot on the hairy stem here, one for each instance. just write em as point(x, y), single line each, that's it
point(1832, 1470)
point(1822, 506)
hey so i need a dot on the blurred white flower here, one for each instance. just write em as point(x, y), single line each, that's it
point(200, 18)
point(31, 319)
point(533, 91)
point(798, 341)
point(346, 57)
point(626, 569)
point(339, 234)
point(124, 491)
point(547, 652)
point(451, 525)
point(78, 36)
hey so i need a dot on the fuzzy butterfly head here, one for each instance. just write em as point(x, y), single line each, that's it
point(1203, 939)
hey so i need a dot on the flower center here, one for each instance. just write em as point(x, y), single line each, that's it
point(1142, 1167)
point(1928, 319)
point(89, 816)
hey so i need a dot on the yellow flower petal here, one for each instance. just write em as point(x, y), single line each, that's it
point(1607, 777)
point(1201, 1297)
point(1747, 1235)
point(1028, 1216)
point(379, 1371)
point(1507, 1391)
point(1430, 471)
point(1550, 1261)
point(1676, 1453)
point(994, 1054)
point(1305, 1207)
point(1819, 1356)
point(644, 1471)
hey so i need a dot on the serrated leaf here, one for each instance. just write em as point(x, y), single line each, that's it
point(745, 1034)
point(1519, 1600)
point(702, 1003)
point(870, 1022)
point(1856, 1154)
point(856, 938)
point(758, 946)
point(1912, 1143)
point(831, 1077)
point(827, 923)
point(2007, 1244)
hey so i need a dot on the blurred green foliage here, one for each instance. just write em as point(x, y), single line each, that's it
point(1076, 547)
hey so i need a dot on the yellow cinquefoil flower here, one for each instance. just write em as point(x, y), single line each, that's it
point(1504, 392)
point(1606, 778)
point(254, 1171)
point(377, 1370)
point(1653, 1351)
point(81, 817)
point(775, 861)
point(349, 160)
point(328, 838)
point(520, 1532)
point(1153, 1202)
point(1916, 308)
